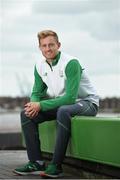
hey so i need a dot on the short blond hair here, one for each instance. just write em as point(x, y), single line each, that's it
point(46, 33)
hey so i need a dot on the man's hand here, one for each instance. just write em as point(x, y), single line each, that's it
point(32, 109)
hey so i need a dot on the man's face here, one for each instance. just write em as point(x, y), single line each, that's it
point(49, 47)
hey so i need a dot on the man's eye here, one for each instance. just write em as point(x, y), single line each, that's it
point(51, 45)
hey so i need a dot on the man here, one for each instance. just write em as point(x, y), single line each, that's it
point(61, 90)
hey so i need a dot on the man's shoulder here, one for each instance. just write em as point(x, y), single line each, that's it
point(67, 57)
point(39, 64)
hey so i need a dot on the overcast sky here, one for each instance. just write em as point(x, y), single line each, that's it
point(88, 29)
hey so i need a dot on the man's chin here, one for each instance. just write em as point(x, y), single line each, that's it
point(50, 57)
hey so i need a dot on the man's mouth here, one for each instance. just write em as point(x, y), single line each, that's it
point(49, 53)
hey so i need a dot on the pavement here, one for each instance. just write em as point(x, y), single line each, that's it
point(10, 159)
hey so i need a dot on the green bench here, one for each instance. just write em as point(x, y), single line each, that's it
point(92, 138)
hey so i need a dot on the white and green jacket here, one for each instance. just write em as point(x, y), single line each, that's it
point(62, 82)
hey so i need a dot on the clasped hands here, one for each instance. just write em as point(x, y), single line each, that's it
point(32, 109)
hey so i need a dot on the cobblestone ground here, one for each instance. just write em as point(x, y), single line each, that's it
point(12, 159)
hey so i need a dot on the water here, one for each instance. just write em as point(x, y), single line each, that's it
point(10, 122)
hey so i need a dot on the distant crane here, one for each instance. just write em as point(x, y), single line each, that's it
point(24, 85)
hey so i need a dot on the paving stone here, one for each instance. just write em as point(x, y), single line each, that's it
point(10, 159)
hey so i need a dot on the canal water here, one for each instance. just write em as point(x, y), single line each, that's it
point(10, 121)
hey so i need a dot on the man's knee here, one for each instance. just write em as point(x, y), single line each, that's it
point(63, 114)
point(62, 111)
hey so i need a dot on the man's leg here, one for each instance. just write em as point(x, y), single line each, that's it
point(64, 115)
point(30, 130)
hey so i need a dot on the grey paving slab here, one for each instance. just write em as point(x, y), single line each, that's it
point(12, 159)
point(15, 158)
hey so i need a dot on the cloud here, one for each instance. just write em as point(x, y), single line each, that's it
point(107, 85)
point(103, 25)
point(74, 7)
point(13, 9)
point(18, 37)
point(22, 34)
point(100, 18)
point(19, 28)
point(17, 42)
point(99, 57)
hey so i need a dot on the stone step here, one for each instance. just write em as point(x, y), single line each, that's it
point(9, 140)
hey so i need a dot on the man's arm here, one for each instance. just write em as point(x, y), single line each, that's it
point(39, 88)
point(73, 73)
point(39, 91)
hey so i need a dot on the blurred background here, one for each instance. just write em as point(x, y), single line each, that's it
point(88, 29)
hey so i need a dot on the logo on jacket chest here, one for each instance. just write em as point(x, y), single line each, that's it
point(60, 73)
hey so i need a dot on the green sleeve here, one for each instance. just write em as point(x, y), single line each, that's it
point(39, 88)
point(73, 73)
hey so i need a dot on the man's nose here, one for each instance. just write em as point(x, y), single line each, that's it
point(47, 48)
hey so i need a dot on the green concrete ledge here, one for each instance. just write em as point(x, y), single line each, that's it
point(92, 138)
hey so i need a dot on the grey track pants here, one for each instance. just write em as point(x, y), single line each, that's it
point(63, 116)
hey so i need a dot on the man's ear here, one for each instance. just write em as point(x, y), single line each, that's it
point(59, 44)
